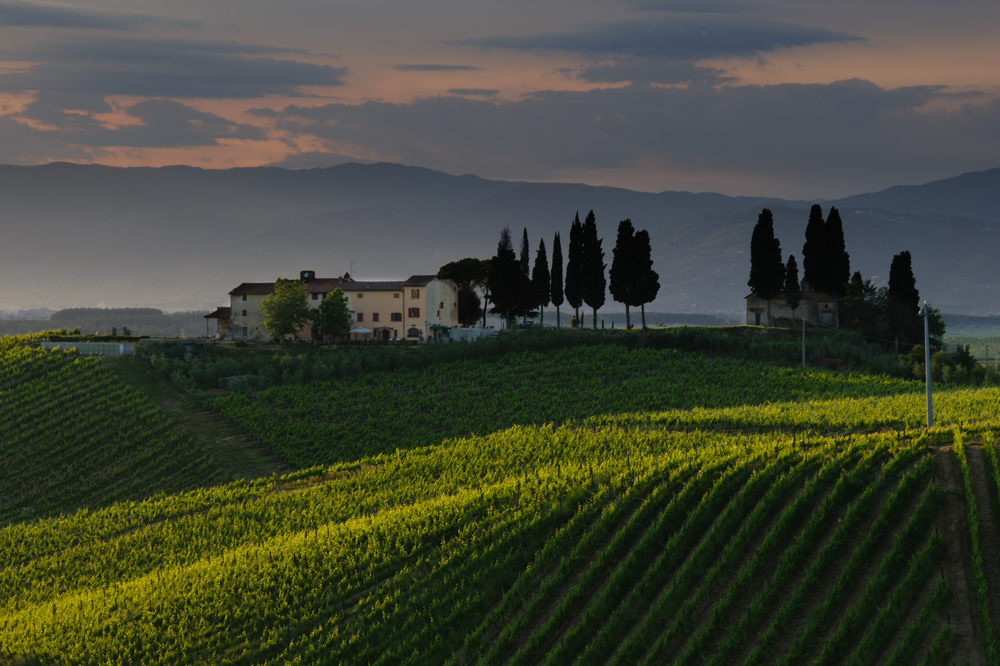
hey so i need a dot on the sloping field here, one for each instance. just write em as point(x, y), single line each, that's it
point(606, 545)
point(72, 435)
point(327, 422)
point(793, 518)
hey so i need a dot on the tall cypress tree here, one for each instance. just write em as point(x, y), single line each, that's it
point(814, 255)
point(767, 270)
point(525, 293)
point(814, 250)
point(594, 283)
point(574, 266)
point(838, 260)
point(793, 291)
point(622, 275)
point(903, 298)
point(540, 280)
point(556, 292)
point(647, 281)
point(505, 271)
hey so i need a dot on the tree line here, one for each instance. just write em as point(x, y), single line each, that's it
point(889, 313)
point(519, 289)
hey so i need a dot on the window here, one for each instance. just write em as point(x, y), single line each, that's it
point(441, 305)
point(315, 296)
point(244, 333)
point(374, 316)
point(396, 316)
point(244, 313)
point(413, 313)
point(361, 316)
point(244, 297)
point(414, 293)
point(361, 295)
point(396, 295)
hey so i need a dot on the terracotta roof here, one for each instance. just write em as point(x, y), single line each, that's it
point(806, 294)
point(418, 280)
point(374, 285)
point(326, 285)
point(253, 289)
point(221, 313)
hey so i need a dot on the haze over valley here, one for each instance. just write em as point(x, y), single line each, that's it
point(179, 238)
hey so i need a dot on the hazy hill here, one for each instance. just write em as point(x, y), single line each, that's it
point(179, 238)
point(973, 195)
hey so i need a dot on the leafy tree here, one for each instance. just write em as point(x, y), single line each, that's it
point(767, 270)
point(903, 299)
point(574, 267)
point(592, 276)
point(622, 274)
point(556, 291)
point(647, 281)
point(285, 308)
point(793, 291)
point(540, 279)
point(334, 319)
point(504, 277)
point(864, 307)
point(468, 275)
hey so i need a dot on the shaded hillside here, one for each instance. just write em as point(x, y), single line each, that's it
point(973, 195)
point(180, 238)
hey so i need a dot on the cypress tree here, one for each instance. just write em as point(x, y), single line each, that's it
point(574, 266)
point(594, 283)
point(814, 255)
point(540, 280)
point(556, 292)
point(525, 293)
point(647, 281)
point(767, 270)
point(838, 260)
point(622, 275)
point(505, 271)
point(903, 298)
point(814, 250)
point(793, 292)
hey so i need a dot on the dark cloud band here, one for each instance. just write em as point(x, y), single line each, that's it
point(25, 14)
point(434, 68)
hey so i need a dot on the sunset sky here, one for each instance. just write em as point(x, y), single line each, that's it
point(796, 98)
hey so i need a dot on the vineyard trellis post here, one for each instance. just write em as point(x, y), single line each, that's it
point(927, 365)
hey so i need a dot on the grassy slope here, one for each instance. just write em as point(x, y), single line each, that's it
point(469, 550)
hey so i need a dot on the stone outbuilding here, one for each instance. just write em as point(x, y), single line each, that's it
point(816, 309)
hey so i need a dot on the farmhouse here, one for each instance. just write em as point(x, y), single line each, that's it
point(422, 307)
point(813, 308)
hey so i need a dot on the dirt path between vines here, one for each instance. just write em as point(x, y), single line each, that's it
point(231, 451)
point(957, 565)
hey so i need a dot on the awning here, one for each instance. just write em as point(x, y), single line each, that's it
point(361, 329)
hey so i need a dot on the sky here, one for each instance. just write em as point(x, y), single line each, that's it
point(792, 98)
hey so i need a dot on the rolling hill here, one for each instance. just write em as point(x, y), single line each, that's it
point(179, 238)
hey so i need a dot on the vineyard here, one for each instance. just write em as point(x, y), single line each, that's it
point(73, 436)
point(327, 422)
point(593, 505)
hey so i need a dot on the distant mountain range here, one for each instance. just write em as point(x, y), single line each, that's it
point(179, 238)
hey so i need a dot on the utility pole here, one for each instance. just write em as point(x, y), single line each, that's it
point(927, 365)
point(803, 343)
